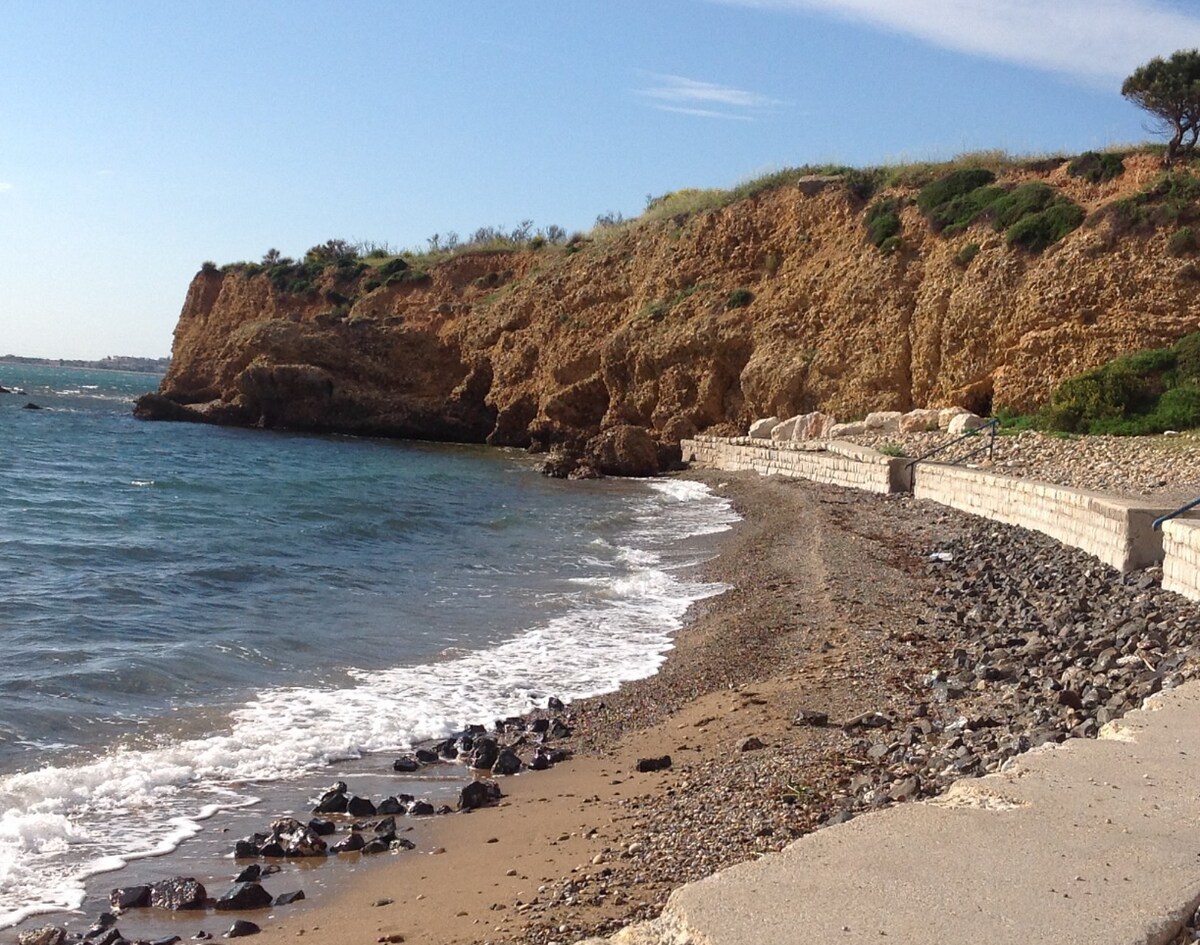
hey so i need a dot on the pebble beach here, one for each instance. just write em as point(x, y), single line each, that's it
point(871, 650)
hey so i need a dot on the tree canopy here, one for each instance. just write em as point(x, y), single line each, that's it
point(1170, 90)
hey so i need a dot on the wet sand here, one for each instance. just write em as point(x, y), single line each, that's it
point(819, 578)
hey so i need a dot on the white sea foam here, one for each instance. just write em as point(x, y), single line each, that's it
point(62, 824)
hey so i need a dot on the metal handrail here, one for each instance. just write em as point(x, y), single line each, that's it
point(1157, 523)
point(991, 425)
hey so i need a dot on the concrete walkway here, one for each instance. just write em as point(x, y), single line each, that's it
point(1090, 842)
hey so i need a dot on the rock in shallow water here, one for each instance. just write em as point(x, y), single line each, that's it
point(129, 897)
point(47, 935)
point(243, 896)
point(479, 794)
point(179, 892)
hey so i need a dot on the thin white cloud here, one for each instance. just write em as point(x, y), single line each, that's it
point(1095, 40)
point(684, 96)
point(702, 112)
point(5, 186)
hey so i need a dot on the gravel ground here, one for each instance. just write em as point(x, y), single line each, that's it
point(1166, 468)
point(871, 651)
point(926, 670)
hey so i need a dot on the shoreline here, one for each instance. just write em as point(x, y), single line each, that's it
point(857, 624)
point(909, 659)
point(578, 835)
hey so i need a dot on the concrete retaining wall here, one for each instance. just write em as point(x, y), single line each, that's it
point(832, 462)
point(1181, 565)
point(1117, 531)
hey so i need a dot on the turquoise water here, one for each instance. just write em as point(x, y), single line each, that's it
point(183, 608)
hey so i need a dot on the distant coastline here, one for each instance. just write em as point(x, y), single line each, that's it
point(113, 363)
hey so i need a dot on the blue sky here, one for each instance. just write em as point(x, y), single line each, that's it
point(138, 139)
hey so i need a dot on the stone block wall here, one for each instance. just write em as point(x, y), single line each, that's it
point(1117, 531)
point(835, 463)
point(1181, 564)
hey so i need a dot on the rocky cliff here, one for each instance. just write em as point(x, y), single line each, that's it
point(773, 305)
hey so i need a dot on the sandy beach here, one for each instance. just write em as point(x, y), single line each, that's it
point(819, 577)
point(870, 651)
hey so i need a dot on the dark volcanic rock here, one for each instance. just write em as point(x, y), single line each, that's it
point(243, 896)
point(485, 754)
point(104, 936)
point(653, 764)
point(350, 844)
point(360, 807)
point(406, 765)
point(507, 762)
point(811, 717)
point(420, 809)
point(391, 805)
point(242, 928)
point(179, 892)
point(287, 898)
point(322, 828)
point(333, 801)
point(479, 794)
point(129, 897)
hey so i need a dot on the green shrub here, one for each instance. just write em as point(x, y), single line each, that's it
point(1024, 201)
point(407, 276)
point(739, 298)
point(964, 256)
point(294, 278)
point(863, 183)
point(392, 266)
point(882, 221)
point(655, 311)
point(1178, 409)
point(1040, 230)
point(1143, 393)
point(1096, 168)
point(1187, 357)
point(956, 215)
point(953, 185)
point(893, 244)
point(1172, 200)
point(1182, 242)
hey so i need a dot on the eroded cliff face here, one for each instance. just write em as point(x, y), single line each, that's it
point(633, 328)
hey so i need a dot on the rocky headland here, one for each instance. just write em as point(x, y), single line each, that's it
point(611, 348)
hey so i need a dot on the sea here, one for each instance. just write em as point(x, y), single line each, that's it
point(199, 623)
